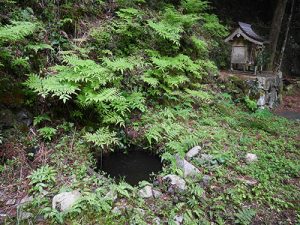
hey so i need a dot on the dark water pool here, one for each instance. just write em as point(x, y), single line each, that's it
point(133, 166)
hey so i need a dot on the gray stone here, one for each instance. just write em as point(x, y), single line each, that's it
point(176, 181)
point(171, 190)
point(250, 158)
point(25, 215)
point(65, 200)
point(206, 180)
point(3, 215)
point(26, 199)
point(111, 195)
point(248, 181)
point(156, 193)
point(116, 210)
point(187, 168)
point(146, 192)
point(44, 193)
point(261, 101)
point(273, 98)
point(178, 219)
point(24, 117)
point(193, 152)
point(157, 221)
point(39, 218)
point(121, 206)
point(11, 201)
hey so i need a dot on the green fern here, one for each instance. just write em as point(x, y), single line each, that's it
point(113, 118)
point(200, 45)
point(47, 132)
point(202, 95)
point(102, 138)
point(51, 86)
point(40, 118)
point(122, 64)
point(150, 80)
point(39, 47)
point(17, 31)
point(213, 26)
point(167, 31)
point(194, 6)
point(245, 216)
point(103, 95)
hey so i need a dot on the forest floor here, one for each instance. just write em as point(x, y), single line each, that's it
point(290, 107)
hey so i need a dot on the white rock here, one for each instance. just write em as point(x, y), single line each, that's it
point(157, 221)
point(11, 201)
point(116, 210)
point(176, 181)
point(111, 195)
point(250, 158)
point(261, 101)
point(26, 199)
point(178, 219)
point(65, 200)
point(187, 168)
point(25, 215)
point(140, 211)
point(193, 152)
point(146, 192)
point(3, 215)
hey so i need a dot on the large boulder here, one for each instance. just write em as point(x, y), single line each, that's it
point(175, 181)
point(64, 201)
point(187, 168)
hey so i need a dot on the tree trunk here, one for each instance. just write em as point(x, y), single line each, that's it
point(286, 35)
point(275, 30)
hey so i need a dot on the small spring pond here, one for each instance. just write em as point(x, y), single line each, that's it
point(133, 166)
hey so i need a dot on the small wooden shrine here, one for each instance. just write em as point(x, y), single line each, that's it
point(247, 48)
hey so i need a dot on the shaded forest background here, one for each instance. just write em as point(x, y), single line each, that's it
point(260, 14)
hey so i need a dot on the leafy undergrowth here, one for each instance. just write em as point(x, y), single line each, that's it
point(143, 73)
point(266, 191)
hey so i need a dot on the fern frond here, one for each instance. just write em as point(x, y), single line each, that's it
point(40, 46)
point(102, 137)
point(200, 45)
point(153, 82)
point(202, 95)
point(194, 6)
point(245, 216)
point(153, 133)
point(103, 95)
point(114, 118)
point(167, 31)
point(213, 26)
point(17, 31)
point(136, 100)
point(175, 81)
point(51, 85)
point(122, 64)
